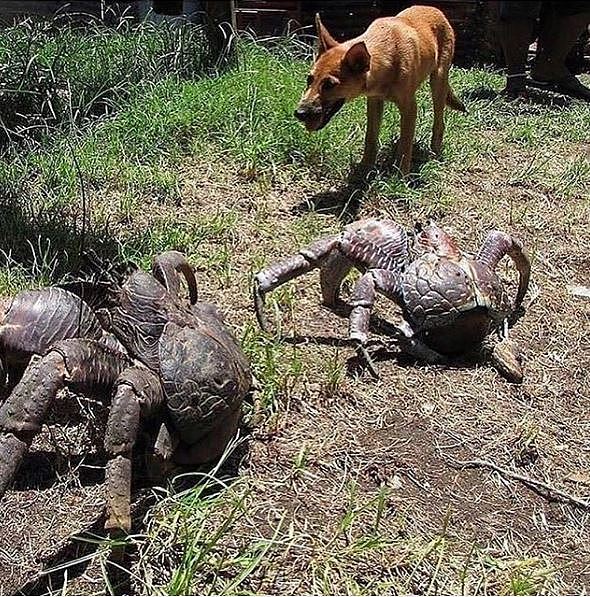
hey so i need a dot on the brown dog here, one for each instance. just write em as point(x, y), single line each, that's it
point(388, 61)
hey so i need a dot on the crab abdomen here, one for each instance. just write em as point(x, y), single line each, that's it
point(444, 304)
point(37, 319)
point(204, 375)
point(467, 330)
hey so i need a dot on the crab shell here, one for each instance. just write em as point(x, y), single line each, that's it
point(452, 305)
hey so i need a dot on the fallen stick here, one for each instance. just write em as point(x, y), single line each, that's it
point(535, 484)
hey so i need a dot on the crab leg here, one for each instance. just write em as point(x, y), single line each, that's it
point(387, 283)
point(83, 365)
point(167, 266)
point(413, 346)
point(498, 244)
point(138, 394)
point(332, 272)
point(273, 276)
point(363, 298)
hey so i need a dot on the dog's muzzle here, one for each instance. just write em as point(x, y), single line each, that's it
point(317, 117)
point(301, 114)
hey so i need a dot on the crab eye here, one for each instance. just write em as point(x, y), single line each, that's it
point(309, 80)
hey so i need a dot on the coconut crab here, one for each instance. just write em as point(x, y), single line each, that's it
point(172, 364)
point(450, 302)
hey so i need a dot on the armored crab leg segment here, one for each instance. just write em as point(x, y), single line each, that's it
point(413, 346)
point(167, 266)
point(363, 297)
point(83, 365)
point(138, 394)
point(498, 244)
point(333, 270)
point(273, 276)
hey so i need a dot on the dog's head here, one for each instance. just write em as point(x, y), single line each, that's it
point(338, 74)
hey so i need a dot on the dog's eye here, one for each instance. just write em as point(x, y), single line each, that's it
point(309, 80)
point(328, 84)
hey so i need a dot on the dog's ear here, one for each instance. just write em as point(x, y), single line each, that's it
point(325, 40)
point(358, 59)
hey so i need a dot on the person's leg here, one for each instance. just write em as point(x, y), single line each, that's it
point(560, 27)
point(516, 26)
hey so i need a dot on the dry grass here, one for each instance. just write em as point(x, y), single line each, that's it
point(347, 483)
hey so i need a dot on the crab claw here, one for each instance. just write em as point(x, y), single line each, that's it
point(498, 244)
point(506, 358)
point(167, 266)
point(522, 262)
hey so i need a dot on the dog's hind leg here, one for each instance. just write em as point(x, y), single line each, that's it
point(374, 117)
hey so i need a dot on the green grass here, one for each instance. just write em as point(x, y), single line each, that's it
point(58, 76)
point(243, 115)
point(218, 548)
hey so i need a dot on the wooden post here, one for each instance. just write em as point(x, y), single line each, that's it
point(221, 11)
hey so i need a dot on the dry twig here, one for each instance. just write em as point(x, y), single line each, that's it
point(534, 484)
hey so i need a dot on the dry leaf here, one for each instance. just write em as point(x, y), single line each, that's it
point(579, 291)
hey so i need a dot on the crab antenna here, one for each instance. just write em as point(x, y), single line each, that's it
point(167, 266)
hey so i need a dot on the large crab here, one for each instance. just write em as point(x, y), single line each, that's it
point(450, 302)
point(170, 364)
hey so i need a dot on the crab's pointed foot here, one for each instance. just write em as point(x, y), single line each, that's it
point(506, 358)
point(368, 360)
point(259, 306)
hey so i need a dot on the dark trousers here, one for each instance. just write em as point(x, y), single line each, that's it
point(510, 10)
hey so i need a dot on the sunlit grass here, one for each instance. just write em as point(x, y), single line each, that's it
point(245, 115)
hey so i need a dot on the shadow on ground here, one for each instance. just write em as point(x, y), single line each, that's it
point(345, 200)
point(47, 241)
point(533, 96)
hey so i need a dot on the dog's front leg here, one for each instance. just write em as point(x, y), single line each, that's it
point(374, 117)
point(408, 111)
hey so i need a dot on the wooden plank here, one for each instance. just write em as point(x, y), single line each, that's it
point(48, 7)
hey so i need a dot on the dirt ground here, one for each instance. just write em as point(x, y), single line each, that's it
point(403, 433)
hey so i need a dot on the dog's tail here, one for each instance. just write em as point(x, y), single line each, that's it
point(454, 102)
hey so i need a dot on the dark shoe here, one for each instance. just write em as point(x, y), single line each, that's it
point(568, 85)
point(515, 88)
